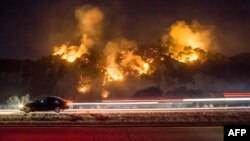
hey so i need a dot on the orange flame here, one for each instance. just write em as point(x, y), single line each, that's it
point(105, 94)
point(122, 61)
point(188, 43)
point(84, 85)
point(112, 74)
point(83, 88)
point(70, 53)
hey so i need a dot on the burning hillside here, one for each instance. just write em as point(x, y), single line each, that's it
point(119, 55)
point(120, 58)
point(171, 79)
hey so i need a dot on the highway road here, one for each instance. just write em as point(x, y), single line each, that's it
point(164, 105)
point(111, 133)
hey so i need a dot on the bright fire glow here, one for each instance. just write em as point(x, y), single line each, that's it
point(119, 55)
point(89, 20)
point(112, 74)
point(188, 58)
point(187, 43)
point(122, 61)
point(105, 94)
point(118, 72)
point(71, 53)
point(144, 69)
point(83, 88)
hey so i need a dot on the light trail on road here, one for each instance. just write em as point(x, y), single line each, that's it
point(216, 99)
point(160, 105)
point(114, 103)
point(148, 110)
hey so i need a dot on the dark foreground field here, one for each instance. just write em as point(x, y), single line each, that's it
point(111, 133)
point(147, 118)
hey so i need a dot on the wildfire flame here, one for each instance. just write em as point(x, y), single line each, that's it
point(144, 69)
point(70, 53)
point(105, 94)
point(188, 43)
point(83, 88)
point(89, 20)
point(122, 61)
point(112, 74)
point(184, 43)
point(84, 85)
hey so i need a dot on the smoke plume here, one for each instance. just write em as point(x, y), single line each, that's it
point(89, 21)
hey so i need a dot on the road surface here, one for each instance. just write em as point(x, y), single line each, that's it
point(204, 128)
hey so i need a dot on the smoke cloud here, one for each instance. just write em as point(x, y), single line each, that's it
point(90, 22)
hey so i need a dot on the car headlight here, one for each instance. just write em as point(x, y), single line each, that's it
point(69, 103)
point(20, 106)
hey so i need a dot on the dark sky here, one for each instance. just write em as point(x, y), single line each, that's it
point(30, 28)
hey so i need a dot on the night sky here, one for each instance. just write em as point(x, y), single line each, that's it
point(30, 28)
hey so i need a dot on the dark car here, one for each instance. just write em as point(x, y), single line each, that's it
point(51, 103)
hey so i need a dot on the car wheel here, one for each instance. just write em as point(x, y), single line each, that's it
point(57, 109)
point(26, 109)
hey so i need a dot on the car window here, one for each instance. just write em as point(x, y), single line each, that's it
point(57, 101)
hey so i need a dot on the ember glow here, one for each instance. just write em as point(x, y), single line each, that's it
point(188, 43)
point(83, 88)
point(84, 85)
point(105, 94)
